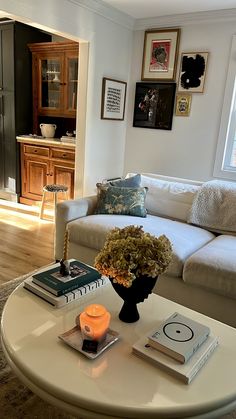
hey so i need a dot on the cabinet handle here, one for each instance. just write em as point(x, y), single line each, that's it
point(64, 155)
point(1, 88)
point(35, 151)
point(1, 106)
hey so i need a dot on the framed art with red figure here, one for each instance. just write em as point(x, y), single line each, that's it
point(160, 54)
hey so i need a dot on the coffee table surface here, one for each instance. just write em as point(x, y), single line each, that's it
point(117, 384)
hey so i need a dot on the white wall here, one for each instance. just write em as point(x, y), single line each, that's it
point(188, 150)
point(101, 143)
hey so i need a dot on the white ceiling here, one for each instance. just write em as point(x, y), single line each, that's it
point(139, 9)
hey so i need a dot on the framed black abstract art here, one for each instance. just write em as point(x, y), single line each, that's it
point(192, 72)
point(154, 104)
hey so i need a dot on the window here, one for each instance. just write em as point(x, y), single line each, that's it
point(225, 164)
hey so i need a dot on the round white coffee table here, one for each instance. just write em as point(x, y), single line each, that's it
point(117, 384)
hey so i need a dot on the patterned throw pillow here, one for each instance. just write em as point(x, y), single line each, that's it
point(121, 200)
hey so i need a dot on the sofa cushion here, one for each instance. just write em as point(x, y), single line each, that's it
point(169, 199)
point(120, 200)
point(219, 214)
point(214, 266)
point(129, 182)
point(91, 232)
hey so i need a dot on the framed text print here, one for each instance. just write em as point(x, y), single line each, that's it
point(154, 104)
point(192, 72)
point(113, 99)
point(160, 54)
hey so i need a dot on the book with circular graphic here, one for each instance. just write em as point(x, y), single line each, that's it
point(179, 337)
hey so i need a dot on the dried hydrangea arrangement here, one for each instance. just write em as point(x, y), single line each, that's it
point(129, 253)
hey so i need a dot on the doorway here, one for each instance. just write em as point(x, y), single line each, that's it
point(79, 128)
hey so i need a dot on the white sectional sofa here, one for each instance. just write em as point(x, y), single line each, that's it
point(202, 274)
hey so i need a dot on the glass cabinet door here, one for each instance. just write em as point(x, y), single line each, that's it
point(72, 84)
point(51, 82)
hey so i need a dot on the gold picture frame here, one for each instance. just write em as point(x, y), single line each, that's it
point(192, 72)
point(183, 104)
point(160, 54)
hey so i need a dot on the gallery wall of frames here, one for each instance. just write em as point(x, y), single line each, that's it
point(162, 92)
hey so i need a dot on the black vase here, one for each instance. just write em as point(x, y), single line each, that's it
point(139, 290)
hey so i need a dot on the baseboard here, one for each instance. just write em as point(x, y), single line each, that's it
point(9, 196)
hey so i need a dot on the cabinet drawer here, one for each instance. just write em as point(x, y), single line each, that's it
point(39, 151)
point(62, 154)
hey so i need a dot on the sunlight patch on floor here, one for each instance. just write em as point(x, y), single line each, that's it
point(23, 216)
point(19, 207)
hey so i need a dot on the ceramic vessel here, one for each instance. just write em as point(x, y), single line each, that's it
point(140, 289)
point(48, 130)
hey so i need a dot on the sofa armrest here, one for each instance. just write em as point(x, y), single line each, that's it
point(67, 211)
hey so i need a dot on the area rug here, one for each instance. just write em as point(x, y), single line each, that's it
point(16, 400)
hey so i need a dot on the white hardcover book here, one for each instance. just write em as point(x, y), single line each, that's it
point(179, 337)
point(185, 372)
point(62, 300)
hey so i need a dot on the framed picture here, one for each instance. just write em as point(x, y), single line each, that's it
point(154, 104)
point(192, 71)
point(113, 99)
point(160, 53)
point(183, 104)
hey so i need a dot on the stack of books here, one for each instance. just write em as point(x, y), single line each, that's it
point(60, 290)
point(180, 345)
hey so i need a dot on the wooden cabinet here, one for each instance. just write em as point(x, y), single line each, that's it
point(41, 165)
point(35, 170)
point(55, 80)
point(63, 174)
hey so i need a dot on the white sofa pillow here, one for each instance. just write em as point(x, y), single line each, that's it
point(170, 199)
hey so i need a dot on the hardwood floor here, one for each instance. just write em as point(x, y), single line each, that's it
point(26, 241)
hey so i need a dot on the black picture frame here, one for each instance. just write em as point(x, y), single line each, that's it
point(113, 99)
point(154, 105)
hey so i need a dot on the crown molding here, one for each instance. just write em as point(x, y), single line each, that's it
point(106, 11)
point(185, 19)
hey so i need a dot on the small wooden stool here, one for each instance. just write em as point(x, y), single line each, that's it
point(53, 188)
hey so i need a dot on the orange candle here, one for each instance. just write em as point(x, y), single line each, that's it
point(94, 322)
